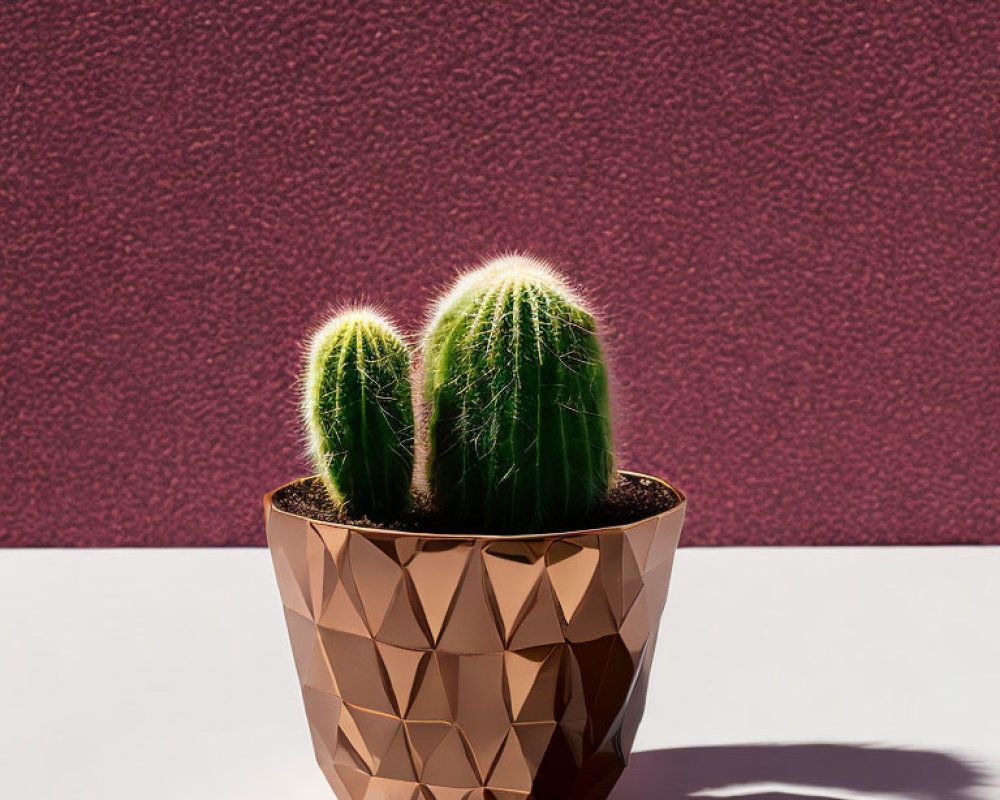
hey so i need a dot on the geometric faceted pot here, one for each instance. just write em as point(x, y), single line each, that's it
point(452, 667)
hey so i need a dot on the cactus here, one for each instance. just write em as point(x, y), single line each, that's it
point(519, 432)
point(358, 413)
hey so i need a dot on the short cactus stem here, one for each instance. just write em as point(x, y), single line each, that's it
point(358, 414)
point(519, 431)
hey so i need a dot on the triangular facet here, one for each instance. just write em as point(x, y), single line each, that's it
point(406, 549)
point(354, 781)
point(609, 571)
point(376, 576)
point(664, 543)
point(592, 658)
point(521, 669)
point(540, 625)
point(424, 739)
point(323, 573)
point(640, 539)
point(288, 557)
point(631, 581)
point(514, 568)
point(534, 738)
point(377, 732)
point(449, 764)
point(350, 731)
point(593, 617)
point(323, 712)
point(341, 614)
point(436, 571)
point(302, 635)
point(319, 675)
point(346, 753)
point(537, 671)
point(613, 690)
point(335, 538)
point(656, 583)
point(401, 625)
point(510, 771)
point(402, 666)
point(396, 762)
point(635, 629)
point(470, 626)
point(571, 568)
point(431, 698)
point(485, 724)
point(359, 670)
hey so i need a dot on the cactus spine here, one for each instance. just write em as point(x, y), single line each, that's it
point(519, 432)
point(359, 415)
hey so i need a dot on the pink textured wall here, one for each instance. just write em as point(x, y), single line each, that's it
point(788, 212)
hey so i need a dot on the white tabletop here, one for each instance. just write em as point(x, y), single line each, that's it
point(817, 672)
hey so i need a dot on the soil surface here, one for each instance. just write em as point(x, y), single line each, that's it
point(632, 498)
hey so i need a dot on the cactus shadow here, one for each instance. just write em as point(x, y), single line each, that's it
point(802, 771)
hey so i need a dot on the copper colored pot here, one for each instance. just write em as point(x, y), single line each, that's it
point(443, 667)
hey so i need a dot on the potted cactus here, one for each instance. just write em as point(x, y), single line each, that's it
point(479, 620)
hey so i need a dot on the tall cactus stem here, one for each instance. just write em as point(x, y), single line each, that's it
point(519, 431)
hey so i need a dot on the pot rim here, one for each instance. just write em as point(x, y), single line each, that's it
point(680, 508)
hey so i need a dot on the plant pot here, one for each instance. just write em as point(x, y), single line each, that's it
point(452, 667)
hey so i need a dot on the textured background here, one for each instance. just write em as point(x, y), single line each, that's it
point(787, 211)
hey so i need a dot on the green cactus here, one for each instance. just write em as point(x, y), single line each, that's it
point(359, 415)
point(519, 431)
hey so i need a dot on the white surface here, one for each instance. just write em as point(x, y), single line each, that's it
point(148, 674)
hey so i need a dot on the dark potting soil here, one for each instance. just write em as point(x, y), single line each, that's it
point(632, 498)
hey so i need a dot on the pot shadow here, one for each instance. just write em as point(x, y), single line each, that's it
point(803, 771)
